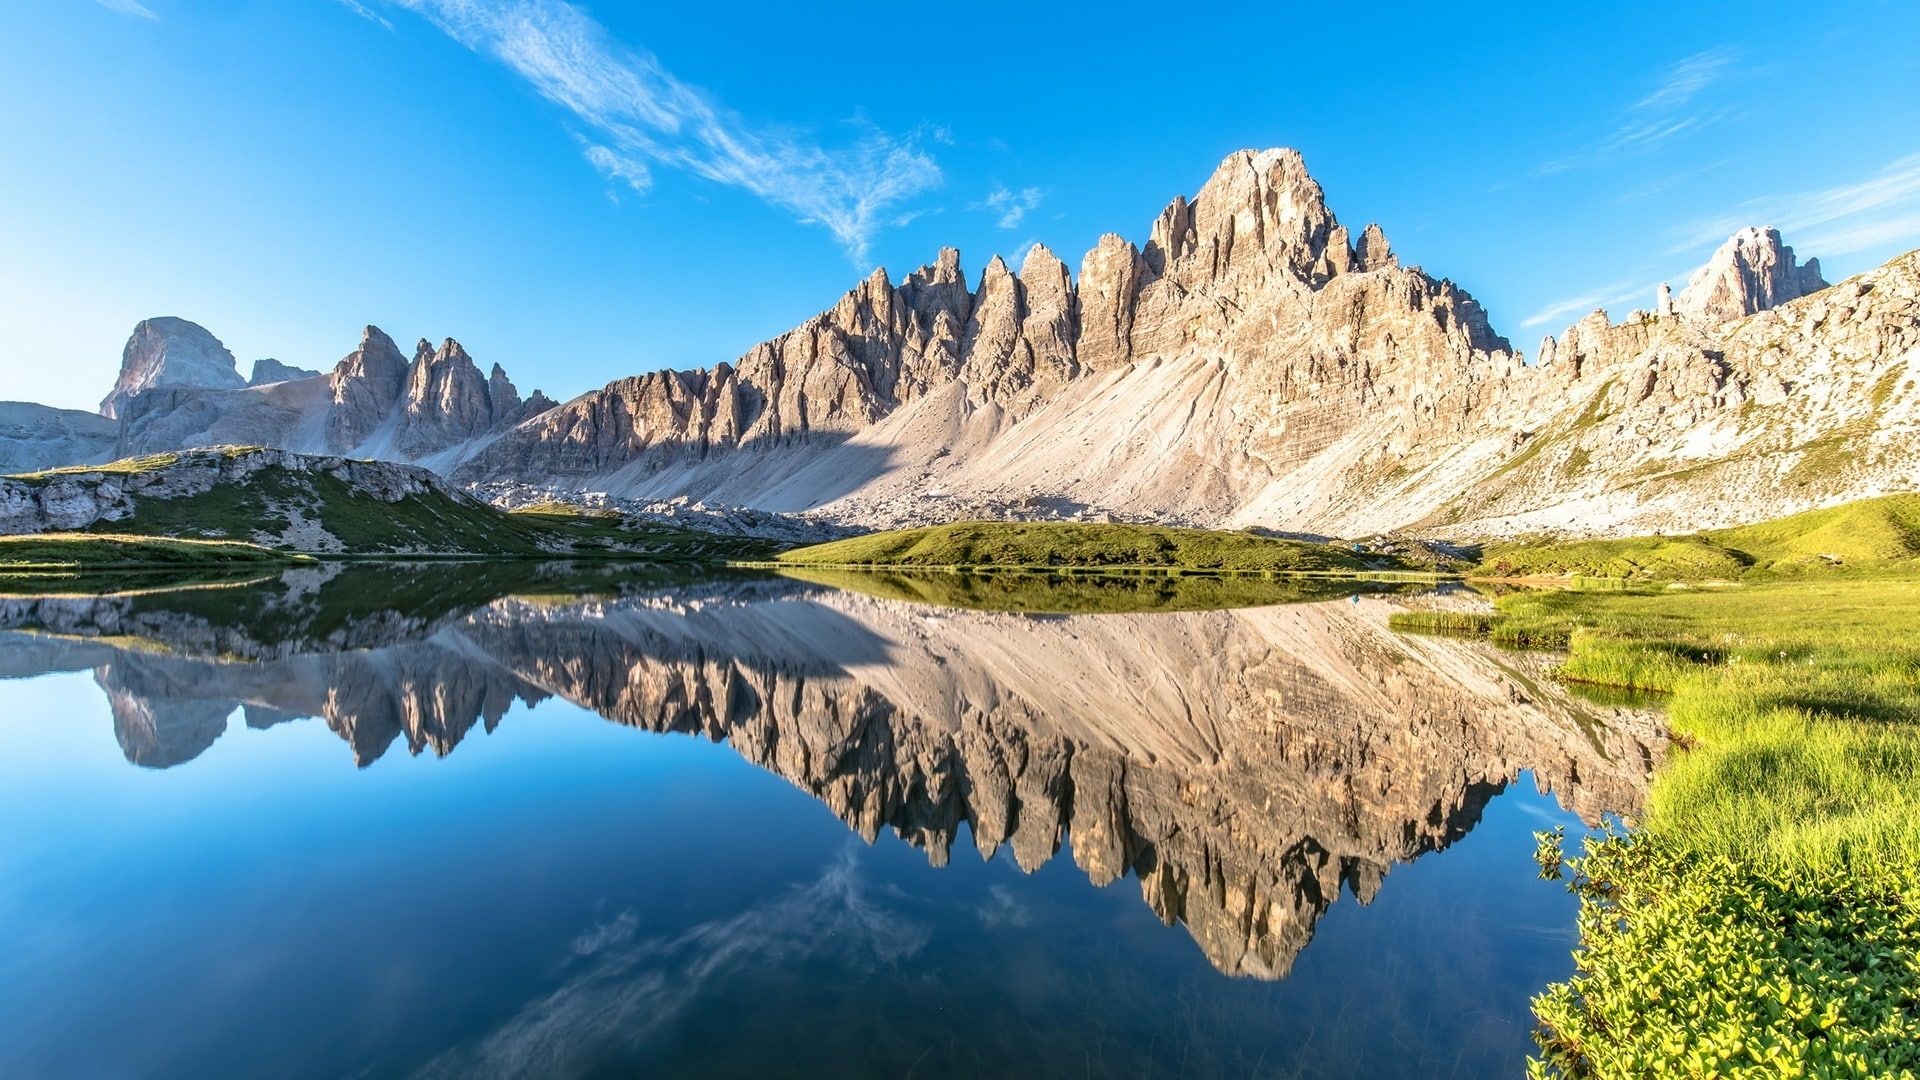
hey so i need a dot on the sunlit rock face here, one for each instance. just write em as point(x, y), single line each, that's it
point(1244, 766)
point(170, 352)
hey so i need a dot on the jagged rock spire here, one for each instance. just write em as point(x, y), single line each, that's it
point(1753, 271)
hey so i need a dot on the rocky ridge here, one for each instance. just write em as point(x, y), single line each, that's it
point(269, 370)
point(79, 498)
point(375, 403)
point(1255, 364)
point(40, 436)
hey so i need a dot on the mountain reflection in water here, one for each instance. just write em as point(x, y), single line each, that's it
point(1242, 764)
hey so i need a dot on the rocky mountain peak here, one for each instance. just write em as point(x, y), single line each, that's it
point(169, 351)
point(1371, 251)
point(365, 386)
point(268, 370)
point(501, 393)
point(1753, 271)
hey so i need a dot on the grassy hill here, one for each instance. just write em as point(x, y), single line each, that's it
point(1000, 545)
point(1872, 534)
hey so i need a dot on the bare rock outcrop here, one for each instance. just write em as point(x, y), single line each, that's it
point(34, 437)
point(170, 352)
point(268, 370)
point(1753, 271)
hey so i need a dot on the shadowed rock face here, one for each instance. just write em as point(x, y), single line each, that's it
point(1244, 766)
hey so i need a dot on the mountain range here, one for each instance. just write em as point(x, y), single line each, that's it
point(1254, 363)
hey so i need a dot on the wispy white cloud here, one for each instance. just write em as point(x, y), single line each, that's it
point(1881, 209)
point(614, 166)
point(1010, 206)
point(130, 7)
point(642, 116)
point(1659, 117)
point(366, 13)
point(1687, 78)
point(1558, 312)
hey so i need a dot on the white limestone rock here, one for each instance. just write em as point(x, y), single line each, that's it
point(170, 352)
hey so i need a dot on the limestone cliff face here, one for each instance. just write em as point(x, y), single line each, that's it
point(447, 401)
point(1255, 364)
point(365, 388)
point(1319, 749)
point(170, 352)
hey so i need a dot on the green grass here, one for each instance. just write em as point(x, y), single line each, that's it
point(995, 545)
point(1775, 874)
point(1080, 594)
point(1871, 534)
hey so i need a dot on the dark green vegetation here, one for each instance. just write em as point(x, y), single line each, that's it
point(273, 501)
point(94, 562)
point(1002, 545)
point(361, 604)
point(1873, 534)
point(1082, 594)
point(1765, 913)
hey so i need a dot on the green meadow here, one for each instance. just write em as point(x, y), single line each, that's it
point(1762, 916)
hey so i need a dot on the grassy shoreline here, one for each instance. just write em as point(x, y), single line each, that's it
point(1764, 914)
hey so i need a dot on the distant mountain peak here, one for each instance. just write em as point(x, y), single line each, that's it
point(1753, 271)
point(168, 351)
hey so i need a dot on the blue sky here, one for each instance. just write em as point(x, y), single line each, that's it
point(584, 191)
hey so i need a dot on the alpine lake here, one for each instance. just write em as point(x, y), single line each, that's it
point(470, 819)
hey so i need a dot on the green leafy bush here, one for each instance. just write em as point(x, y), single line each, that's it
point(1697, 965)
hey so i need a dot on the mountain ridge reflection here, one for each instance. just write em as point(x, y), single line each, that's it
point(1244, 766)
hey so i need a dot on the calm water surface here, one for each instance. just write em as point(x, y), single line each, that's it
point(460, 821)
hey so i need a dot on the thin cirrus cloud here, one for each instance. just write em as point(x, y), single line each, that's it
point(1658, 117)
point(1619, 292)
point(1010, 207)
point(130, 7)
point(366, 13)
point(1881, 209)
point(640, 117)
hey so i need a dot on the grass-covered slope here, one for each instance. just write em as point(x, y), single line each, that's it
point(1764, 915)
point(999, 545)
point(1872, 534)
